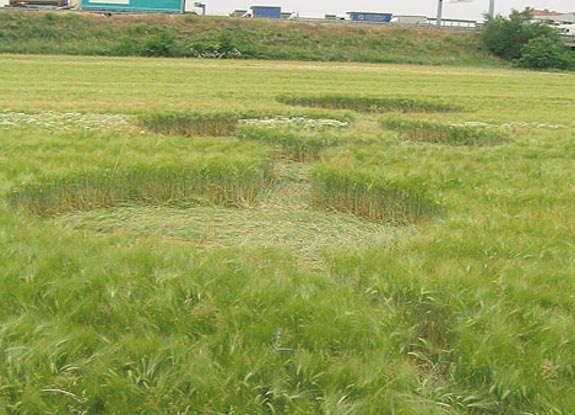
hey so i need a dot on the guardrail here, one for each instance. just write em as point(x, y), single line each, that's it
point(464, 26)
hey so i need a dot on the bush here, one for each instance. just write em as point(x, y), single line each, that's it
point(161, 44)
point(223, 48)
point(505, 37)
point(544, 53)
point(128, 46)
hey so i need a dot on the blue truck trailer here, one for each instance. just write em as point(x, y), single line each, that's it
point(370, 17)
point(266, 12)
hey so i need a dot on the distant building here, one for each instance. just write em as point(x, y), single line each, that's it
point(544, 15)
point(370, 17)
point(566, 18)
point(548, 17)
point(563, 22)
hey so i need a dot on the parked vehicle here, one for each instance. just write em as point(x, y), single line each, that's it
point(566, 29)
point(35, 3)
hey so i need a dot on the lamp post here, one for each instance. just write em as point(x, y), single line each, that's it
point(201, 6)
point(439, 12)
point(491, 9)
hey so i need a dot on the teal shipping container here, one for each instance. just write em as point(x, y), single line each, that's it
point(135, 6)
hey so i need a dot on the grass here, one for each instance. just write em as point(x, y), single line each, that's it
point(305, 232)
point(368, 104)
point(281, 307)
point(457, 135)
point(213, 125)
point(226, 124)
point(217, 37)
point(224, 182)
point(371, 197)
point(292, 145)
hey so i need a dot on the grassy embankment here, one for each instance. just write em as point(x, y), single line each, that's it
point(291, 303)
point(84, 34)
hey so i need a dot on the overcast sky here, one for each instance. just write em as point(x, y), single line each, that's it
point(315, 8)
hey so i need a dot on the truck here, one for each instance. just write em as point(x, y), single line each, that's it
point(370, 17)
point(266, 12)
point(38, 3)
point(134, 6)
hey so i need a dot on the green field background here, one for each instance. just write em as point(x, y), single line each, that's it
point(275, 306)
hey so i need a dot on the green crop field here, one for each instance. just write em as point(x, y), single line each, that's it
point(211, 237)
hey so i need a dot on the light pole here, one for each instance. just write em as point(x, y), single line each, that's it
point(440, 12)
point(201, 6)
point(491, 9)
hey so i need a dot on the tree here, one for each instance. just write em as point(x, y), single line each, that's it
point(505, 37)
point(543, 53)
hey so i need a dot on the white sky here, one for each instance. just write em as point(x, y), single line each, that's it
point(473, 10)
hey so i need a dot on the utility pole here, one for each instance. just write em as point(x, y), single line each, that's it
point(440, 12)
point(491, 9)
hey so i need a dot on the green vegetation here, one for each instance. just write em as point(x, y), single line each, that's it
point(225, 182)
point(225, 124)
point(385, 276)
point(180, 123)
point(530, 45)
point(293, 145)
point(217, 37)
point(545, 52)
point(371, 197)
point(457, 135)
point(368, 104)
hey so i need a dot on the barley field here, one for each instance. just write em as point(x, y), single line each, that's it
point(182, 236)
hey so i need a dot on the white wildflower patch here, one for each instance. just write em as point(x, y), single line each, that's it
point(533, 125)
point(63, 121)
point(512, 125)
point(215, 53)
point(475, 124)
point(299, 122)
